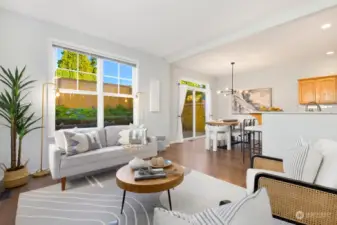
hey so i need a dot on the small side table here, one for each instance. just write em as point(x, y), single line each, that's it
point(125, 180)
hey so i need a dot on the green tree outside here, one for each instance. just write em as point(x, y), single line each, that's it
point(69, 61)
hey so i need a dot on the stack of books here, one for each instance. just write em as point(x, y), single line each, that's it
point(149, 174)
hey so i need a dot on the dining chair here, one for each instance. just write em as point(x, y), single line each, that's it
point(246, 136)
point(221, 136)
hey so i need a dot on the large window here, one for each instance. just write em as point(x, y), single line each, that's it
point(79, 77)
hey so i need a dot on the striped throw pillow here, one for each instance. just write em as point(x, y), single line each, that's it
point(164, 217)
point(253, 209)
point(302, 162)
point(294, 163)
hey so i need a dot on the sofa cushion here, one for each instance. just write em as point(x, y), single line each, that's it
point(327, 172)
point(77, 143)
point(60, 141)
point(251, 174)
point(93, 156)
point(102, 136)
point(101, 155)
point(112, 135)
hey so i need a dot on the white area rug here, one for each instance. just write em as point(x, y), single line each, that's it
point(200, 191)
point(97, 200)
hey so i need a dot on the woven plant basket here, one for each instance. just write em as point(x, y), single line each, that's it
point(16, 178)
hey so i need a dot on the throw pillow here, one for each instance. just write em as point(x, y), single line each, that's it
point(254, 209)
point(302, 163)
point(134, 135)
point(327, 172)
point(101, 134)
point(164, 217)
point(124, 137)
point(77, 143)
point(138, 136)
point(60, 140)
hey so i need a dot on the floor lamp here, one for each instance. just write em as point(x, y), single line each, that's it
point(41, 172)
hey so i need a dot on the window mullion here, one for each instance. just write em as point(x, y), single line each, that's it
point(78, 69)
point(119, 77)
point(136, 97)
point(100, 95)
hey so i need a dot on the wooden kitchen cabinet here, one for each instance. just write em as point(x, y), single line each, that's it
point(307, 91)
point(326, 90)
point(322, 90)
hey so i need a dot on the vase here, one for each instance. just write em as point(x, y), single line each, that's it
point(137, 163)
point(16, 178)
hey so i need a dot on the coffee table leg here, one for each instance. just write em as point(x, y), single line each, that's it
point(169, 198)
point(123, 202)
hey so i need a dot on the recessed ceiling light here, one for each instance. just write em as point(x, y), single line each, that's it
point(325, 26)
point(330, 53)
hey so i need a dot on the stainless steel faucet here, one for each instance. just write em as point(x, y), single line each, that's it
point(319, 109)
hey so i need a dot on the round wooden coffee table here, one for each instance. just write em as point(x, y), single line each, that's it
point(125, 180)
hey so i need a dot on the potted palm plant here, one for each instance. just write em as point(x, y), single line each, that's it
point(16, 115)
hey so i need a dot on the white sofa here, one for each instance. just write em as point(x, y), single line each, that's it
point(112, 154)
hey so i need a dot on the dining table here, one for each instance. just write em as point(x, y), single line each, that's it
point(212, 127)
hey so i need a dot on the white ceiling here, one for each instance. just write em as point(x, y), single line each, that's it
point(299, 41)
point(173, 29)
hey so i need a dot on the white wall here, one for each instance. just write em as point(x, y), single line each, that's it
point(178, 74)
point(26, 41)
point(282, 80)
point(309, 126)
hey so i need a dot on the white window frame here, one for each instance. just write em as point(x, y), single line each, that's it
point(50, 96)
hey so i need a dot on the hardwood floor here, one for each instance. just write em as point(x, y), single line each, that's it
point(225, 165)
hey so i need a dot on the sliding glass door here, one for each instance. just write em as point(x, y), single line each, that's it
point(187, 115)
point(200, 113)
point(194, 114)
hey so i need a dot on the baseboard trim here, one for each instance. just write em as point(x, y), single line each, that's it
point(176, 142)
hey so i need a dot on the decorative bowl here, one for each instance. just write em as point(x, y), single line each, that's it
point(167, 163)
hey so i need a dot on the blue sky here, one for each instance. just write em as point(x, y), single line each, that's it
point(110, 68)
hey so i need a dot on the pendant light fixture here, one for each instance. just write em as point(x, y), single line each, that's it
point(228, 91)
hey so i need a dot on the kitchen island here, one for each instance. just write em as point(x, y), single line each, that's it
point(281, 130)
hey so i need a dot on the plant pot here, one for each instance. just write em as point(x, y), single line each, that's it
point(16, 178)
